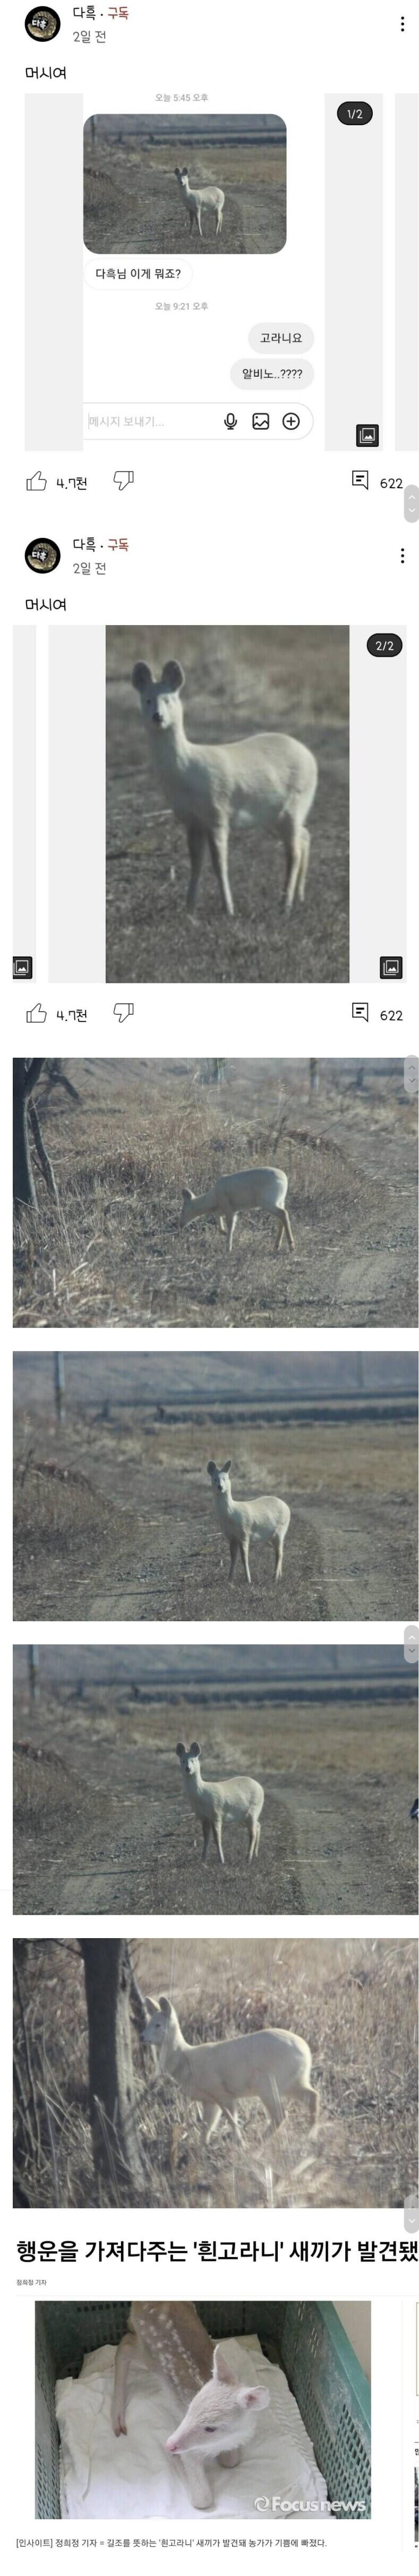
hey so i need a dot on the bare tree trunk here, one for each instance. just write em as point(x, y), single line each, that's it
point(113, 2113)
point(43, 1157)
point(24, 1076)
point(59, 1386)
point(33, 1652)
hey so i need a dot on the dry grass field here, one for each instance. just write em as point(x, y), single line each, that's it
point(354, 2001)
point(113, 1512)
point(132, 201)
point(138, 1132)
point(238, 681)
point(102, 1824)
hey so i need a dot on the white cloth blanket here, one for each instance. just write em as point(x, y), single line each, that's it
point(104, 2479)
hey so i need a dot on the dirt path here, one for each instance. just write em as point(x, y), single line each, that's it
point(167, 1587)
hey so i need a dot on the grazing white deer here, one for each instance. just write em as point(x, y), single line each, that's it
point(263, 1517)
point(272, 2065)
point(264, 1187)
point(265, 780)
point(220, 2410)
point(214, 1801)
point(198, 199)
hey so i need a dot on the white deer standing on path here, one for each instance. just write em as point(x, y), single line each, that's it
point(221, 2411)
point(265, 1187)
point(267, 780)
point(198, 200)
point(271, 2065)
point(239, 1801)
point(263, 1517)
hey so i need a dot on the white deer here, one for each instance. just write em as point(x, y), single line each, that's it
point(263, 1517)
point(221, 2411)
point(267, 780)
point(216, 1801)
point(197, 199)
point(271, 2065)
point(264, 1187)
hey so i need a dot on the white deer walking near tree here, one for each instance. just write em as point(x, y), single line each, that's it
point(271, 2065)
point(263, 1187)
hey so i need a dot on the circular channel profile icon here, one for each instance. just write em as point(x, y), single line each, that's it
point(42, 555)
point(42, 25)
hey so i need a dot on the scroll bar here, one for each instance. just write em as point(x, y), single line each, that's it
point(407, 272)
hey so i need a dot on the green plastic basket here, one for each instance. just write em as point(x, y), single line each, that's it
point(304, 2336)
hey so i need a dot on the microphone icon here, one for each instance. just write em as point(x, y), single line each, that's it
point(230, 420)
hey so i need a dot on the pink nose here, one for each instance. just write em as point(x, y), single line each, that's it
point(171, 2445)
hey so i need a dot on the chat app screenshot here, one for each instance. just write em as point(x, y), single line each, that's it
point(210, 1012)
point(230, 277)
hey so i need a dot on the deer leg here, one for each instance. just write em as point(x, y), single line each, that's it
point(276, 2107)
point(216, 1829)
point(280, 1230)
point(196, 847)
point(198, 2484)
point(244, 1552)
point(233, 1553)
point(292, 838)
point(314, 2105)
point(305, 840)
point(232, 1229)
point(214, 2123)
point(288, 1230)
point(253, 1843)
point(218, 841)
point(231, 2116)
point(123, 2358)
point(206, 1830)
point(279, 1551)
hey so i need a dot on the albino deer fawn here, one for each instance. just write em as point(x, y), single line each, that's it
point(197, 199)
point(263, 1187)
point(271, 2064)
point(214, 1800)
point(263, 1517)
point(220, 2412)
point(267, 780)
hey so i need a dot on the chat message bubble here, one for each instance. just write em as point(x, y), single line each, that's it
point(285, 337)
point(290, 378)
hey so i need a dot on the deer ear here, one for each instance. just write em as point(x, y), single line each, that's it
point(150, 2004)
point(256, 2397)
point(172, 677)
point(225, 1470)
point(141, 676)
point(212, 1470)
point(180, 1749)
point(165, 2007)
point(195, 1748)
point(221, 2368)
